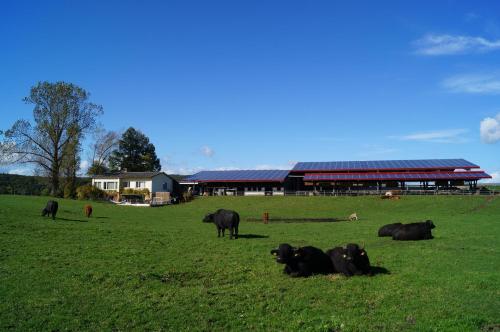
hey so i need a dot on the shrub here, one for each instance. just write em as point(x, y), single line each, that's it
point(89, 192)
point(131, 191)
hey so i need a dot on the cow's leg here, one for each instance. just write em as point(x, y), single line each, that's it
point(223, 232)
point(218, 231)
point(53, 216)
point(235, 232)
point(231, 233)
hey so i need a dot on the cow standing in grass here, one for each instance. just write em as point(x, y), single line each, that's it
point(88, 210)
point(224, 219)
point(50, 209)
point(414, 231)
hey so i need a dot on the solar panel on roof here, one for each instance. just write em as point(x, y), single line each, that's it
point(410, 176)
point(385, 164)
point(239, 175)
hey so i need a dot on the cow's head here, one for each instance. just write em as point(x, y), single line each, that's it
point(209, 218)
point(352, 251)
point(44, 212)
point(284, 253)
point(430, 224)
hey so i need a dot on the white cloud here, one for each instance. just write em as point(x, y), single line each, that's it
point(495, 178)
point(84, 165)
point(20, 171)
point(438, 136)
point(473, 84)
point(207, 151)
point(434, 44)
point(490, 129)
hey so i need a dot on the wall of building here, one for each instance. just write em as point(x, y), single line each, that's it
point(162, 183)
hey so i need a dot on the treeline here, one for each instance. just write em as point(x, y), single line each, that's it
point(14, 184)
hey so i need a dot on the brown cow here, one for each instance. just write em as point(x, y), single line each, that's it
point(88, 210)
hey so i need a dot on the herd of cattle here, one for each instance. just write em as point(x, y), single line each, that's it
point(305, 261)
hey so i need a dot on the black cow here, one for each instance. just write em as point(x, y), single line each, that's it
point(338, 257)
point(358, 261)
point(50, 209)
point(224, 219)
point(414, 231)
point(388, 229)
point(351, 260)
point(303, 261)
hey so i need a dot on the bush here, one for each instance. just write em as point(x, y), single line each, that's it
point(89, 192)
point(131, 191)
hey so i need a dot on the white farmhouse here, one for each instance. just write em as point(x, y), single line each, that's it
point(156, 183)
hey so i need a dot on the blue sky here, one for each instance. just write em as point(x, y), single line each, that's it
point(262, 84)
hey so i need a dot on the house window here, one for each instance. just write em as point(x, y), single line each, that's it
point(126, 184)
point(97, 184)
point(140, 184)
point(110, 185)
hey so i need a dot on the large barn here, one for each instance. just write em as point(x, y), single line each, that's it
point(240, 182)
point(342, 176)
point(385, 174)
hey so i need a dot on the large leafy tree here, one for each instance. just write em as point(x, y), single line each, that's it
point(62, 115)
point(135, 153)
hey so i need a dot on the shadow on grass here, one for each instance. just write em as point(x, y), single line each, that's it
point(379, 270)
point(65, 219)
point(252, 236)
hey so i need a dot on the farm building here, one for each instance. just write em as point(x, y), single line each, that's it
point(341, 176)
point(136, 185)
point(387, 174)
point(247, 183)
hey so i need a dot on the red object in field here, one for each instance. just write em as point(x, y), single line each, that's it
point(265, 217)
point(88, 210)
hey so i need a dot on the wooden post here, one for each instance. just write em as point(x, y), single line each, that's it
point(265, 217)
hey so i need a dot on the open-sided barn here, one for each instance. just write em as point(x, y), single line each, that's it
point(341, 176)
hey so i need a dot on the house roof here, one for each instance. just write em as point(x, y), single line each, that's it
point(128, 175)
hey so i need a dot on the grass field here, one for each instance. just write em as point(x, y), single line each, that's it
point(163, 269)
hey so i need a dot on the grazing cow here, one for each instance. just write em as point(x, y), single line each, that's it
point(224, 219)
point(303, 261)
point(414, 231)
point(50, 209)
point(353, 217)
point(88, 210)
point(388, 229)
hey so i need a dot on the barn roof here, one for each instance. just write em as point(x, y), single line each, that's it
point(421, 164)
point(239, 176)
point(396, 176)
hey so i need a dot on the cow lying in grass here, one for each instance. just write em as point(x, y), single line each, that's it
point(351, 260)
point(414, 231)
point(387, 230)
point(50, 209)
point(224, 219)
point(408, 232)
point(303, 261)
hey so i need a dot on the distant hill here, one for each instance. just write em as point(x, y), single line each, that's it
point(178, 177)
point(27, 185)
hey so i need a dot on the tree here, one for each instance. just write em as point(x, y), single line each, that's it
point(135, 153)
point(105, 142)
point(62, 116)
